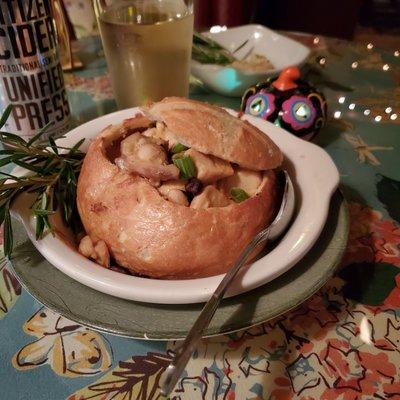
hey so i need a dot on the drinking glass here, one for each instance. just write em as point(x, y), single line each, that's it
point(148, 46)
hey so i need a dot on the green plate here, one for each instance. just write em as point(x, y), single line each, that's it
point(166, 322)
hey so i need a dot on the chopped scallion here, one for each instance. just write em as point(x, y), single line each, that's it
point(186, 167)
point(238, 195)
point(178, 148)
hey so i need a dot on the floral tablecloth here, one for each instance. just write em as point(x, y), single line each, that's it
point(343, 343)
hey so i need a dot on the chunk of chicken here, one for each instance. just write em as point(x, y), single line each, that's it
point(143, 148)
point(209, 197)
point(242, 178)
point(161, 134)
point(153, 172)
point(174, 192)
point(96, 251)
point(142, 155)
point(156, 136)
point(171, 185)
point(209, 168)
point(177, 197)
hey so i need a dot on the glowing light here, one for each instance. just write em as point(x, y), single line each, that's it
point(388, 110)
point(393, 117)
point(337, 114)
point(316, 40)
point(352, 106)
point(228, 78)
point(302, 111)
point(378, 118)
point(322, 61)
point(365, 331)
point(386, 67)
point(367, 112)
point(370, 46)
point(256, 107)
point(218, 28)
point(397, 53)
point(354, 65)
point(342, 99)
point(257, 35)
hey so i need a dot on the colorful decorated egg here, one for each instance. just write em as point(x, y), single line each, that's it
point(288, 102)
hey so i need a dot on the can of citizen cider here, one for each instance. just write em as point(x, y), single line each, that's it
point(31, 77)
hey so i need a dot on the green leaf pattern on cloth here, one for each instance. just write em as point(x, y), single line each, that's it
point(137, 378)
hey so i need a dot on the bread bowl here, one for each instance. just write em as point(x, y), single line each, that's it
point(130, 194)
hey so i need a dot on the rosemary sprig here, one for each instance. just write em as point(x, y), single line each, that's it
point(207, 51)
point(52, 176)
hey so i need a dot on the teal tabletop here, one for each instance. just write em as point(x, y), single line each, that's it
point(342, 343)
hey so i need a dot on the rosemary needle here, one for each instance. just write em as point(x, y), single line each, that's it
point(52, 176)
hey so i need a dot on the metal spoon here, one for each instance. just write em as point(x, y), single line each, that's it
point(185, 351)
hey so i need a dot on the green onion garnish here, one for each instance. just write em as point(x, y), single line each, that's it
point(186, 167)
point(238, 195)
point(178, 148)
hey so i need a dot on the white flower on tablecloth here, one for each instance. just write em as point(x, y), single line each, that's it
point(70, 349)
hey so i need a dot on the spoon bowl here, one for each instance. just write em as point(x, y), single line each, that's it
point(286, 210)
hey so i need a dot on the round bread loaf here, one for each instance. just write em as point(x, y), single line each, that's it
point(154, 237)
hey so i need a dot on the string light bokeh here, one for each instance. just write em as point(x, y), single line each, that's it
point(389, 113)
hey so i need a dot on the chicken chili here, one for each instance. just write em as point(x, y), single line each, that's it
point(183, 175)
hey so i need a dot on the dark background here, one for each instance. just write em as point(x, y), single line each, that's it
point(339, 18)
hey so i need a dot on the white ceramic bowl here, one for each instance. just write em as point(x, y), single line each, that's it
point(313, 173)
point(280, 50)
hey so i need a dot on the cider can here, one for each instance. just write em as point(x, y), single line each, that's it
point(31, 77)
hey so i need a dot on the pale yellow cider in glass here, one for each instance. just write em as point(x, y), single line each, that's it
point(148, 48)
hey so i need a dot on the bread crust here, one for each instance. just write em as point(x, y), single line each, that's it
point(153, 237)
point(212, 130)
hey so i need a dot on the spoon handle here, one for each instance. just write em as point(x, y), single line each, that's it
point(185, 351)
